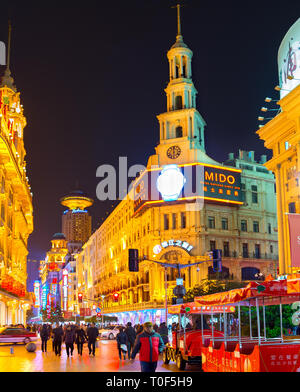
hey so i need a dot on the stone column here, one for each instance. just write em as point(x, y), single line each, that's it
point(280, 224)
point(181, 67)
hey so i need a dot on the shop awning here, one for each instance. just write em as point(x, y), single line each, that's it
point(266, 289)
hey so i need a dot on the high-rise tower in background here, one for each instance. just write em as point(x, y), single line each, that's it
point(76, 221)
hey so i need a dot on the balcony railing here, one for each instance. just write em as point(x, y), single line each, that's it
point(250, 255)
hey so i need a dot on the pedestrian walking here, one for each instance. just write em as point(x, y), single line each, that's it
point(69, 339)
point(122, 342)
point(92, 333)
point(163, 331)
point(44, 334)
point(58, 334)
point(139, 329)
point(149, 344)
point(131, 335)
point(81, 338)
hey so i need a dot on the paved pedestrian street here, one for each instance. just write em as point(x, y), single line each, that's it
point(105, 360)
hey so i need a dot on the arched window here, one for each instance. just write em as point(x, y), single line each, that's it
point(222, 275)
point(248, 273)
point(147, 277)
point(178, 102)
point(178, 132)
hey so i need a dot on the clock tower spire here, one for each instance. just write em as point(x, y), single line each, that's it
point(181, 126)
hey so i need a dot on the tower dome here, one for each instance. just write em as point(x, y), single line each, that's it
point(76, 199)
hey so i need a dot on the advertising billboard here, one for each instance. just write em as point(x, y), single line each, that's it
point(289, 60)
point(186, 183)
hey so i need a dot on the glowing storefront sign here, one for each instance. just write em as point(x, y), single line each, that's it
point(289, 60)
point(188, 183)
point(181, 244)
point(170, 182)
point(36, 289)
point(44, 296)
point(65, 289)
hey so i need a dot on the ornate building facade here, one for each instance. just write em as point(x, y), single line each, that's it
point(282, 136)
point(16, 220)
point(234, 210)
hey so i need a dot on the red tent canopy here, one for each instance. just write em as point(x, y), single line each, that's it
point(268, 288)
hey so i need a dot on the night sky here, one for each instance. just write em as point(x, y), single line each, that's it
point(92, 78)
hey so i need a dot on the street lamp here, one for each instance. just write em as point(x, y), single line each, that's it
point(259, 276)
point(102, 297)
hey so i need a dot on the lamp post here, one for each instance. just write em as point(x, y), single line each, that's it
point(102, 297)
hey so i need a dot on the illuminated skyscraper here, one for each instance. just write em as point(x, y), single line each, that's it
point(76, 221)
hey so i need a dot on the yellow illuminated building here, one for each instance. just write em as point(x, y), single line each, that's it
point(55, 257)
point(16, 220)
point(282, 135)
point(235, 213)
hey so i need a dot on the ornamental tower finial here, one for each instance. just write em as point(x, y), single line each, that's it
point(178, 20)
point(7, 79)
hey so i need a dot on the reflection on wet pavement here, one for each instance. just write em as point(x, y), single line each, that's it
point(105, 360)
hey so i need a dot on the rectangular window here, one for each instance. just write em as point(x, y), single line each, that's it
point(255, 227)
point(224, 224)
point(226, 249)
point(271, 248)
point(166, 222)
point(292, 208)
point(269, 228)
point(183, 220)
point(243, 225)
point(245, 250)
point(254, 194)
point(243, 192)
point(211, 222)
point(257, 251)
point(212, 245)
point(174, 221)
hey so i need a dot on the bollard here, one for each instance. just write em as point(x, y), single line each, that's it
point(12, 350)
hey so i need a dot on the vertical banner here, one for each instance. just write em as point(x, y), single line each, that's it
point(294, 226)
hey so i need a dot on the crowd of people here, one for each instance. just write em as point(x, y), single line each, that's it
point(70, 334)
point(130, 340)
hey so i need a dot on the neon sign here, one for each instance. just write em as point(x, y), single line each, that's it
point(36, 289)
point(188, 183)
point(44, 296)
point(170, 182)
point(181, 244)
point(65, 289)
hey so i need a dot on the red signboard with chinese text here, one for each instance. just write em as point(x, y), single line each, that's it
point(85, 312)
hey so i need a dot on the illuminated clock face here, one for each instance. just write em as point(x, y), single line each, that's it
point(173, 152)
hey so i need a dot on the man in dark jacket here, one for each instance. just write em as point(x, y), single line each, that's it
point(58, 334)
point(92, 333)
point(122, 342)
point(81, 338)
point(131, 335)
point(163, 331)
point(44, 334)
point(149, 344)
point(69, 339)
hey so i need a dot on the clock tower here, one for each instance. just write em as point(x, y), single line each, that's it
point(181, 126)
